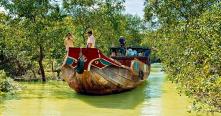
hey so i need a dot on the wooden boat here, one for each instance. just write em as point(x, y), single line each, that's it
point(88, 71)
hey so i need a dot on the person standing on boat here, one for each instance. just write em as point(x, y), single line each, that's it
point(122, 41)
point(122, 49)
point(68, 41)
point(90, 40)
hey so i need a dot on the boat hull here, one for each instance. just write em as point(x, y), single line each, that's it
point(108, 80)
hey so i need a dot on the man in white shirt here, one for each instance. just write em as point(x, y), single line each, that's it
point(90, 40)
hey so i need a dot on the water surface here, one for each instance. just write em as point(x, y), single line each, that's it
point(155, 97)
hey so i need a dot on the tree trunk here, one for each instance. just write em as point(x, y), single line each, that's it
point(34, 74)
point(41, 56)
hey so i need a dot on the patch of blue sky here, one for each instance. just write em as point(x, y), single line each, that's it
point(135, 7)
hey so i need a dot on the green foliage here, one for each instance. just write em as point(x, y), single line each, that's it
point(188, 43)
point(32, 32)
point(36, 32)
point(106, 20)
point(7, 85)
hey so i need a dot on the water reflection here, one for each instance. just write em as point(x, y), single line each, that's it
point(152, 105)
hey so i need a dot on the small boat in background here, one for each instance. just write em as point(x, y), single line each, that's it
point(88, 71)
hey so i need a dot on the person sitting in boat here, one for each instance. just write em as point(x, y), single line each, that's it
point(68, 41)
point(90, 40)
point(113, 53)
point(130, 52)
point(122, 49)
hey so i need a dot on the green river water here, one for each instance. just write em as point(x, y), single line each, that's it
point(156, 97)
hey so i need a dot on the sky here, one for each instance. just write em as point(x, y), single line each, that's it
point(1, 9)
point(135, 7)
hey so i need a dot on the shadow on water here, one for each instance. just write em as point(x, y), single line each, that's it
point(126, 100)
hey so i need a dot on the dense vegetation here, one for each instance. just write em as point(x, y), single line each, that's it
point(32, 32)
point(187, 35)
point(7, 85)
